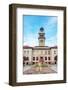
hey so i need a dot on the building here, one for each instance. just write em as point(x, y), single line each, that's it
point(47, 54)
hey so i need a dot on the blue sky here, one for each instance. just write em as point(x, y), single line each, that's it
point(32, 26)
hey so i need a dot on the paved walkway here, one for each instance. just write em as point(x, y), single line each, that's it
point(53, 67)
point(27, 67)
point(36, 70)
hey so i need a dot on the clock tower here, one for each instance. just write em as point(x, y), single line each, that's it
point(41, 37)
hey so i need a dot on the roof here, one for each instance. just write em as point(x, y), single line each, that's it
point(27, 47)
point(53, 47)
point(39, 47)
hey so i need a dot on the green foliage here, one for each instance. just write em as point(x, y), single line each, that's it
point(42, 65)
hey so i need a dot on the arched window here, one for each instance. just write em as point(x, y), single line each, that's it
point(33, 58)
point(45, 52)
point(49, 52)
point(55, 58)
point(25, 58)
point(45, 58)
point(36, 58)
point(48, 58)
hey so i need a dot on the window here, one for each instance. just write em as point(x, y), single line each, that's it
point(49, 62)
point(48, 52)
point(36, 58)
point(45, 58)
point(54, 52)
point(27, 63)
point(55, 58)
point(33, 62)
point(42, 51)
point(48, 58)
point(24, 58)
point(41, 57)
point(33, 52)
point(27, 58)
point(55, 62)
point(24, 52)
point(28, 52)
point(33, 58)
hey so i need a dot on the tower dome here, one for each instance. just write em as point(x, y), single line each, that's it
point(41, 29)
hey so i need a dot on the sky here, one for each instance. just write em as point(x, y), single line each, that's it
point(32, 25)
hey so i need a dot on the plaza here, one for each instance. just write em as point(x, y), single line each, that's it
point(44, 70)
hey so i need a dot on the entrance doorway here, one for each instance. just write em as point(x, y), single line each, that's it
point(41, 59)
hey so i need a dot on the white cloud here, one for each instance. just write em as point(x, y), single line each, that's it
point(50, 23)
point(51, 41)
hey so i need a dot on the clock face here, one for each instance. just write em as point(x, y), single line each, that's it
point(41, 40)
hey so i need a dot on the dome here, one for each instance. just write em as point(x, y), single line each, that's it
point(41, 29)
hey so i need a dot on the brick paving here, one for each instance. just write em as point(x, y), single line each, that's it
point(36, 70)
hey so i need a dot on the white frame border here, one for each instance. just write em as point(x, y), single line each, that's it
point(45, 77)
